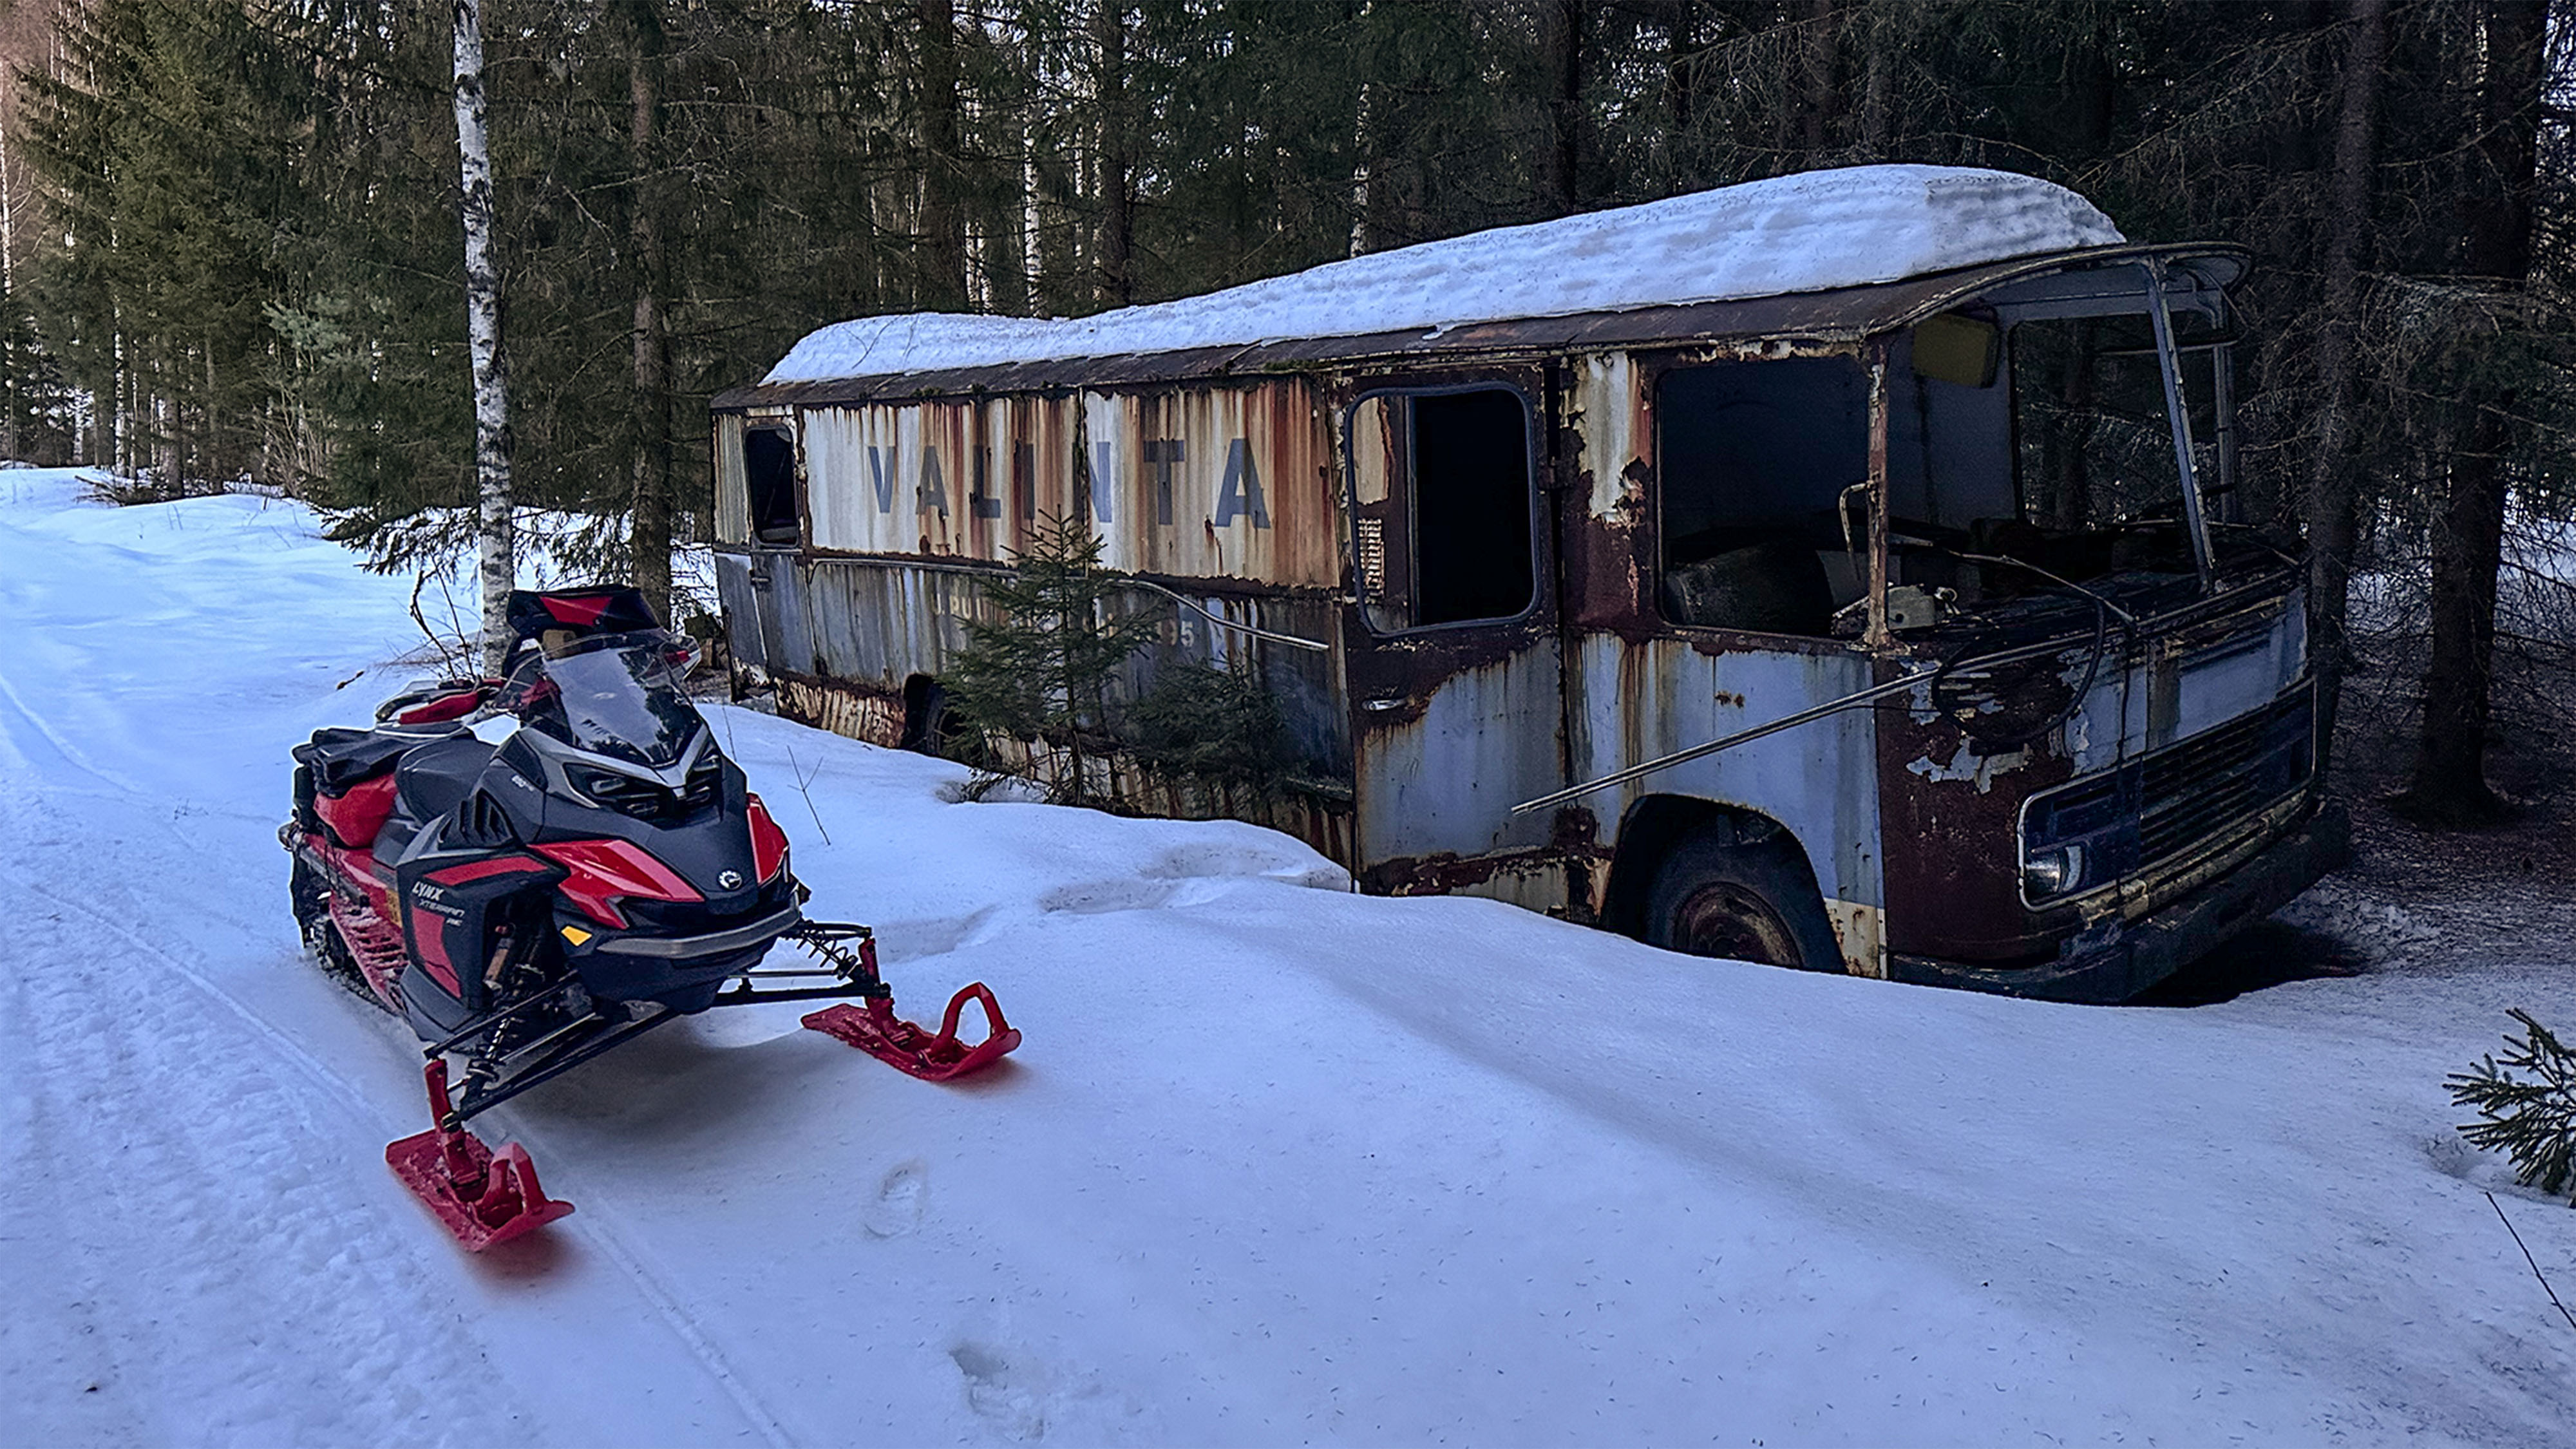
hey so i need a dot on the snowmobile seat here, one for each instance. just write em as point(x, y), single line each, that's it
point(436, 778)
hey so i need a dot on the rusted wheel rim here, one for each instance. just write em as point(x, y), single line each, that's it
point(1724, 919)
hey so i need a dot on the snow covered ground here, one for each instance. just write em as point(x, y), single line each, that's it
point(1278, 1163)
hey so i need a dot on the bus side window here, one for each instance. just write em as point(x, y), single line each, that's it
point(1753, 458)
point(769, 473)
point(1442, 507)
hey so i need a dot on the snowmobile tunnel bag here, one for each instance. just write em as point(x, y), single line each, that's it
point(357, 815)
point(344, 779)
point(340, 758)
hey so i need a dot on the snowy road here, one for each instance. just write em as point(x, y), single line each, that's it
point(1277, 1163)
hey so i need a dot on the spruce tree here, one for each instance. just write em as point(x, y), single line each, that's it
point(1043, 668)
point(2531, 1120)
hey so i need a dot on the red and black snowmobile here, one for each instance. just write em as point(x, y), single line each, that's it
point(599, 872)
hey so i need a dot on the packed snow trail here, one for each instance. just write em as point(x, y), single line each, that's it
point(1276, 1163)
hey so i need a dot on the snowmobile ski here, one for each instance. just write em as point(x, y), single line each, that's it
point(481, 1196)
point(873, 1028)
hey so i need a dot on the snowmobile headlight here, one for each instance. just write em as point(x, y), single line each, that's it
point(2052, 872)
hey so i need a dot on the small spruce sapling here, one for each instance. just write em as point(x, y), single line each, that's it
point(1216, 727)
point(2531, 1120)
point(1043, 668)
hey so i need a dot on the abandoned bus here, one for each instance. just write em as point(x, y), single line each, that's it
point(1842, 571)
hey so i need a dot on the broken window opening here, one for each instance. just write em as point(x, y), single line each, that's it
point(1443, 507)
point(1754, 459)
point(769, 475)
point(2093, 451)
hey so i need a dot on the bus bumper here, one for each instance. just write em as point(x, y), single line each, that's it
point(2118, 959)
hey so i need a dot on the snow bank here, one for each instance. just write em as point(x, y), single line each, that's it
point(1804, 233)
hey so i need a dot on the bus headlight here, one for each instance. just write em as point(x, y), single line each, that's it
point(2052, 872)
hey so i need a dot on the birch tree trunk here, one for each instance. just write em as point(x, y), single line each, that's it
point(494, 564)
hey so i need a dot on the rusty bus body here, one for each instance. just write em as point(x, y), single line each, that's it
point(1545, 551)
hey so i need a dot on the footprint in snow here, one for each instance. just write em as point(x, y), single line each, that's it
point(901, 1201)
point(999, 1391)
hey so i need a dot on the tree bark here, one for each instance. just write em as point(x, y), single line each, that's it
point(650, 408)
point(1561, 162)
point(1116, 247)
point(943, 212)
point(2333, 474)
point(1363, 151)
point(494, 564)
point(1882, 44)
point(2449, 785)
point(1818, 102)
point(1681, 92)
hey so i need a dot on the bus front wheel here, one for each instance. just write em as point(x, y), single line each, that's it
point(1718, 894)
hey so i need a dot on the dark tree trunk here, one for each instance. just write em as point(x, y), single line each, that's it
point(1680, 96)
point(1883, 42)
point(2450, 784)
point(1818, 101)
point(1117, 282)
point(943, 213)
point(1561, 57)
point(2333, 472)
point(650, 422)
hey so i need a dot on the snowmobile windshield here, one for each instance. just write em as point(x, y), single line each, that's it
point(612, 694)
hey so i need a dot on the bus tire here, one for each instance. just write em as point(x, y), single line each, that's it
point(925, 716)
point(1718, 894)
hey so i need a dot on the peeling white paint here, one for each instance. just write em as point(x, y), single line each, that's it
point(1968, 765)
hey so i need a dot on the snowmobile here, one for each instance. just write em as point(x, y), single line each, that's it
point(599, 872)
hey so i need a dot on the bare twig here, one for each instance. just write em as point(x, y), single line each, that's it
point(446, 657)
point(2535, 1265)
point(445, 593)
point(802, 780)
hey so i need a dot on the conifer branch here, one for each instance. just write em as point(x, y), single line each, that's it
point(2532, 1120)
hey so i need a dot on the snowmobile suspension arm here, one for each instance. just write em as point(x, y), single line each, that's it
point(483, 1024)
point(482, 1095)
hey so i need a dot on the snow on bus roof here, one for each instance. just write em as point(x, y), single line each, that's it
point(1804, 233)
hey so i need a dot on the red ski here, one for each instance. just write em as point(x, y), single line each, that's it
point(875, 1029)
point(484, 1197)
point(872, 1026)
